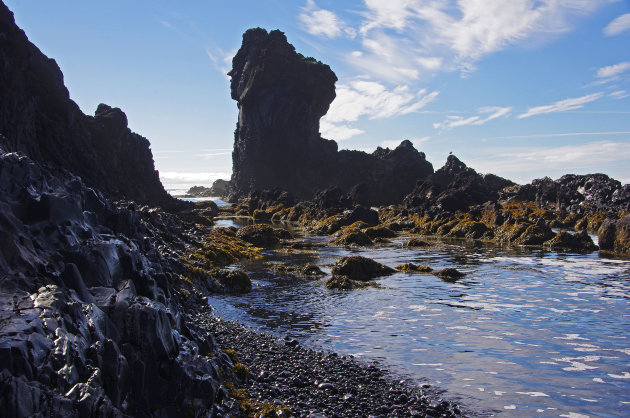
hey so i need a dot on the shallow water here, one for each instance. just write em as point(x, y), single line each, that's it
point(525, 333)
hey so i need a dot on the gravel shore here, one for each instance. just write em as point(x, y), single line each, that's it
point(316, 383)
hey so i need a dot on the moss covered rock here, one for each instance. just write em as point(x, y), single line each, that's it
point(360, 268)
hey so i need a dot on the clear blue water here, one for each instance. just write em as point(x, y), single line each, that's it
point(525, 333)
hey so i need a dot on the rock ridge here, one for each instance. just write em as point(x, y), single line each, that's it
point(38, 118)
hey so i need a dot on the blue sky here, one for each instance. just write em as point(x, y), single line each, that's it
point(519, 88)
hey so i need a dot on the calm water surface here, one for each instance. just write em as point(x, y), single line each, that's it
point(525, 333)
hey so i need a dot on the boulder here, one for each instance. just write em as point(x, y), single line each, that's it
point(260, 235)
point(360, 268)
point(450, 274)
point(565, 241)
point(614, 235)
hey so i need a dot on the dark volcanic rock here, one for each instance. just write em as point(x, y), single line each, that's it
point(281, 97)
point(38, 118)
point(454, 187)
point(220, 188)
point(574, 193)
point(614, 235)
point(91, 324)
point(360, 268)
point(565, 241)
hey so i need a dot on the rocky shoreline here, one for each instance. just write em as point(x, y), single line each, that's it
point(302, 381)
point(103, 275)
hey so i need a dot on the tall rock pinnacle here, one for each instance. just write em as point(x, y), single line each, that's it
point(281, 96)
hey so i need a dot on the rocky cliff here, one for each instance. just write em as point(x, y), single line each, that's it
point(38, 118)
point(281, 96)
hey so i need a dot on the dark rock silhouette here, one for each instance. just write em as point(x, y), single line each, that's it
point(454, 187)
point(281, 96)
point(38, 118)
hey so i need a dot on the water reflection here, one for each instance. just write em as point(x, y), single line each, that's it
point(526, 332)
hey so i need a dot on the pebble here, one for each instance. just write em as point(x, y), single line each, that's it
point(319, 384)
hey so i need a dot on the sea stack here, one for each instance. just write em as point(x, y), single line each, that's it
point(281, 97)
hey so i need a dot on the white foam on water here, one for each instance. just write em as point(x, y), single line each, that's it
point(571, 337)
point(534, 394)
point(625, 375)
point(598, 380)
point(576, 366)
point(509, 407)
point(463, 328)
point(575, 415)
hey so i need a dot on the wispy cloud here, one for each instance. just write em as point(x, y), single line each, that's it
point(619, 94)
point(338, 132)
point(528, 163)
point(221, 59)
point(561, 105)
point(612, 71)
point(373, 100)
point(564, 134)
point(492, 112)
point(321, 22)
point(618, 25)
point(459, 33)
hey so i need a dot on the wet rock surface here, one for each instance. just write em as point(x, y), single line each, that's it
point(92, 316)
point(315, 383)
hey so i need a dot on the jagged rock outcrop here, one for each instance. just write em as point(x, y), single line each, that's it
point(577, 194)
point(454, 187)
point(281, 96)
point(91, 322)
point(614, 235)
point(38, 118)
point(220, 188)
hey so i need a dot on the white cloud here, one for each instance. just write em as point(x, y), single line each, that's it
point(321, 22)
point(221, 59)
point(619, 94)
point(613, 70)
point(374, 100)
point(493, 112)
point(362, 98)
point(618, 25)
point(463, 31)
point(338, 132)
point(561, 105)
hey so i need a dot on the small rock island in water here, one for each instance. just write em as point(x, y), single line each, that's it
point(105, 278)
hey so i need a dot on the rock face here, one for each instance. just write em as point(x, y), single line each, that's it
point(454, 187)
point(281, 96)
point(578, 194)
point(91, 324)
point(38, 118)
